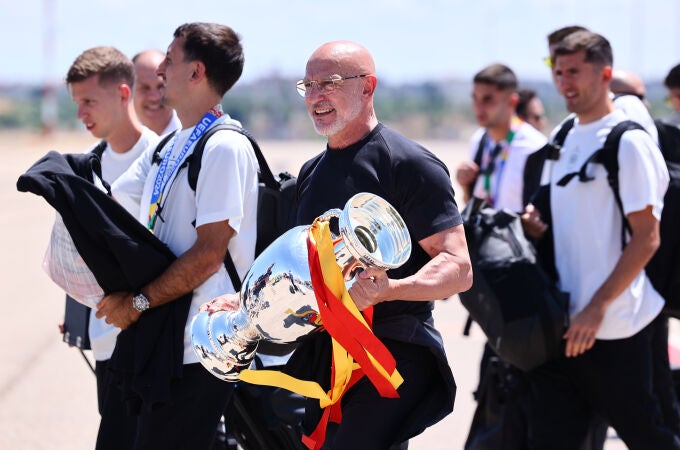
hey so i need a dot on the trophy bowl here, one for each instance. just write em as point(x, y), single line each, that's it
point(277, 300)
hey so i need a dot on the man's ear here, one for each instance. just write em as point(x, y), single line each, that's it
point(607, 74)
point(199, 71)
point(370, 85)
point(125, 91)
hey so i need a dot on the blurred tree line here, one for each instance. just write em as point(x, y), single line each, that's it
point(271, 108)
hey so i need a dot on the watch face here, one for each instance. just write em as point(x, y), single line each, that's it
point(140, 302)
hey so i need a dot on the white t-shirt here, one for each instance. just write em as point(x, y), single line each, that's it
point(507, 179)
point(226, 189)
point(634, 110)
point(103, 335)
point(637, 111)
point(173, 125)
point(587, 221)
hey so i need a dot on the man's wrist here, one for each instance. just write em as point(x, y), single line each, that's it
point(140, 302)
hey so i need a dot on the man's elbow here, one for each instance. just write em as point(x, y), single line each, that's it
point(653, 242)
point(651, 238)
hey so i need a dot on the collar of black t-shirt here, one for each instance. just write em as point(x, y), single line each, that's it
point(360, 143)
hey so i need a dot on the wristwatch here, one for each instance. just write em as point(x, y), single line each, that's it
point(140, 302)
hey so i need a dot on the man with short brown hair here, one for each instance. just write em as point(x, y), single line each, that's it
point(607, 367)
point(100, 82)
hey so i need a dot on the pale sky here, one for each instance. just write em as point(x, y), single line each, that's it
point(411, 40)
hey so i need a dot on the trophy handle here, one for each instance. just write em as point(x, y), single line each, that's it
point(328, 215)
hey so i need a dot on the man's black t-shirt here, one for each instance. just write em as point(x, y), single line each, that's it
point(418, 186)
point(414, 181)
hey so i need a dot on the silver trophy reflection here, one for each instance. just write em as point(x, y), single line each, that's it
point(277, 300)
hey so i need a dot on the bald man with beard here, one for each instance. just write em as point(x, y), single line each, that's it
point(363, 155)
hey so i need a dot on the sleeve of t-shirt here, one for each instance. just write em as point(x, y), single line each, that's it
point(635, 110)
point(643, 176)
point(227, 177)
point(129, 187)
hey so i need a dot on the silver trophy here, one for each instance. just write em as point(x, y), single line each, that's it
point(277, 299)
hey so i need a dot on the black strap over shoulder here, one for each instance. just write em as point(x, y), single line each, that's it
point(561, 135)
point(156, 157)
point(480, 148)
point(533, 170)
point(265, 176)
point(99, 149)
point(194, 160)
point(97, 167)
point(478, 156)
point(608, 156)
point(193, 163)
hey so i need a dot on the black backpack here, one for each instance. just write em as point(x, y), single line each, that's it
point(664, 268)
point(516, 304)
point(276, 195)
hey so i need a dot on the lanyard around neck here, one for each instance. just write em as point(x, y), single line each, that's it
point(165, 173)
point(498, 156)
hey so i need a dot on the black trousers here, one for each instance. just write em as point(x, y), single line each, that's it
point(500, 419)
point(371, 422)
point(612, 379)
point(662, 381)
point(664, 385)
point(120, 428)
point(189, 423)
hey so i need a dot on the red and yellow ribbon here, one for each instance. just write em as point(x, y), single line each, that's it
point(356, 350)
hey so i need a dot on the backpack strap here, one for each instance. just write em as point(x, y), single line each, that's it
point(99, 149)
point(561, 135)
point(479, 154)
point(97, 165)
point(156, 156)
point(480, 148)
point(194, 160)
point(609, 158)
point(265, 176)
point(533, 169)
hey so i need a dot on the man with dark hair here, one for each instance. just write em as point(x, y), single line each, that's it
point(530, 108)
point(672, 83)
point(498, 150)
point(496, 173)
point(628, 95)
point(632, 106)
point(556, 37)
point(607, 366)
point(203, 61)
point(100, 82)
point(218, 47)
point(148, 94)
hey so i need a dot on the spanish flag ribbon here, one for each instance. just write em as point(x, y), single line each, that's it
point(356, 350)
